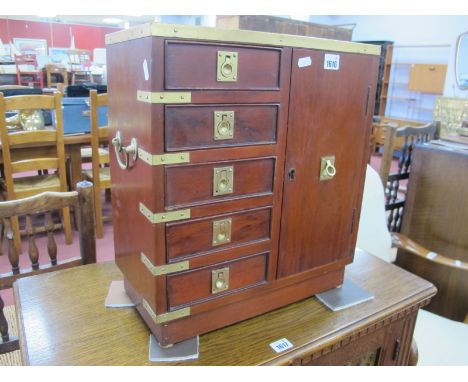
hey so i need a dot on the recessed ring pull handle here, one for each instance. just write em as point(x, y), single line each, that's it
point(330, 169)
point(125, 153)
point(327, 167)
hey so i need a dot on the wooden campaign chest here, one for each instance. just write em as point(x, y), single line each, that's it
point(238, 169)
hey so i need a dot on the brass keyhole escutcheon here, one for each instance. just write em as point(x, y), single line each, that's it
point(227, 66)
point(219, 280)
point(223, 125)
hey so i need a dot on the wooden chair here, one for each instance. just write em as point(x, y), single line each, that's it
point(79, 61)
point(27, 72)
point(100, 172)
point(56, 70)
point(439, 340)
point(394, 182)
point(27, 151)
point(34, 208)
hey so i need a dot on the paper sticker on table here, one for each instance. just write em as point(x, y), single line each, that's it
point(145, 70)
point(281, 345)
point(331, 62)
point(304, 61)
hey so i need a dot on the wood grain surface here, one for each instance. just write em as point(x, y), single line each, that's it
point(75, 328)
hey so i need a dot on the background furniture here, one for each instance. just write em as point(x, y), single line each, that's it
point(375, 332)
point(79, 61)
point(439, 341)
point(379, 130)
point(27, 72)
point(100, 171)
point(216, 190)
point(283, 25)
point(436, 213)
point(27, 185)
point(44, 204)
point(395, 181)
point(57, 72)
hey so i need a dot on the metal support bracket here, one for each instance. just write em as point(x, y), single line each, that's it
point(158, 160)
point(164, 97)
point(165, 317)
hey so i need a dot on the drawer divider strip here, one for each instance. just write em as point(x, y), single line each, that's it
point(158, 160)
point(164, 269)
point(164, 217)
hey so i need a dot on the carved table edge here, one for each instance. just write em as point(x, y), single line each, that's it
point(300, 355)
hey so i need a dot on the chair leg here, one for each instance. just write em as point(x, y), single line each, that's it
point(67, 225)
point(98, 212)
point(16, 234)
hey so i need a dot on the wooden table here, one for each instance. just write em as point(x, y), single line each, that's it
point(63, 321)
point(73, 144)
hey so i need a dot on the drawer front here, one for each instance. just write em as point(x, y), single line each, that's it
point(221, 232)
point(195, 127)
point(196, 286)
point(212, 182)
point(197, 66)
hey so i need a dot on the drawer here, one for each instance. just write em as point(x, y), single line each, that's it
point(196, 127)
point(195, 286)
point(213, 182)
point(212, 66)
point(203, 236)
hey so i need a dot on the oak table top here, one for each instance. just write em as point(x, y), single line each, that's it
point(63, 320)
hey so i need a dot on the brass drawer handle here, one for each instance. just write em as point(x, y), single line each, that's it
point(223, 125)
point(227, 66)
point(219, 280)
point(221, 231)
point(223, 180)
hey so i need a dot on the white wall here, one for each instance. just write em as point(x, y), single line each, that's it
point(411, 30)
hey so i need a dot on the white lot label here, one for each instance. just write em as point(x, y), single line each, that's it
point(331, 62)
point(281, 345)
point(145, 70)
point(304, 61)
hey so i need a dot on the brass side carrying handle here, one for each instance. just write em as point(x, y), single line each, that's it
point(124, 153)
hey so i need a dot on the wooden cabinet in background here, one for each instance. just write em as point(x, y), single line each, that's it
point(427, 78)
point(251, 158)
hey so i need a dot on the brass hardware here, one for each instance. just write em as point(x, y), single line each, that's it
point(327, 168)
point(223, 125)
point(164, 97)
point(169, 316)
point(219, 280)
point(164, 269)
point(164, 217)
point(227, 66)
point(223, 180)
point(221, 231)
point(240, 36)
point(157, 160)
point(130, 151)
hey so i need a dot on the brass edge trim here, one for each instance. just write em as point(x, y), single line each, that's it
point(157, 160)
point(164, 217)
point(164, 269)
point(241, 36)
point(170, 316)
point(164, 97)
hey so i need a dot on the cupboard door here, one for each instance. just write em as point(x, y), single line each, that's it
point(328, 120)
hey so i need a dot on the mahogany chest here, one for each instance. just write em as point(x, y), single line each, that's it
point(238, 169)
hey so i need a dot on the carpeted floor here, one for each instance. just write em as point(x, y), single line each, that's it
point(12, 358)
